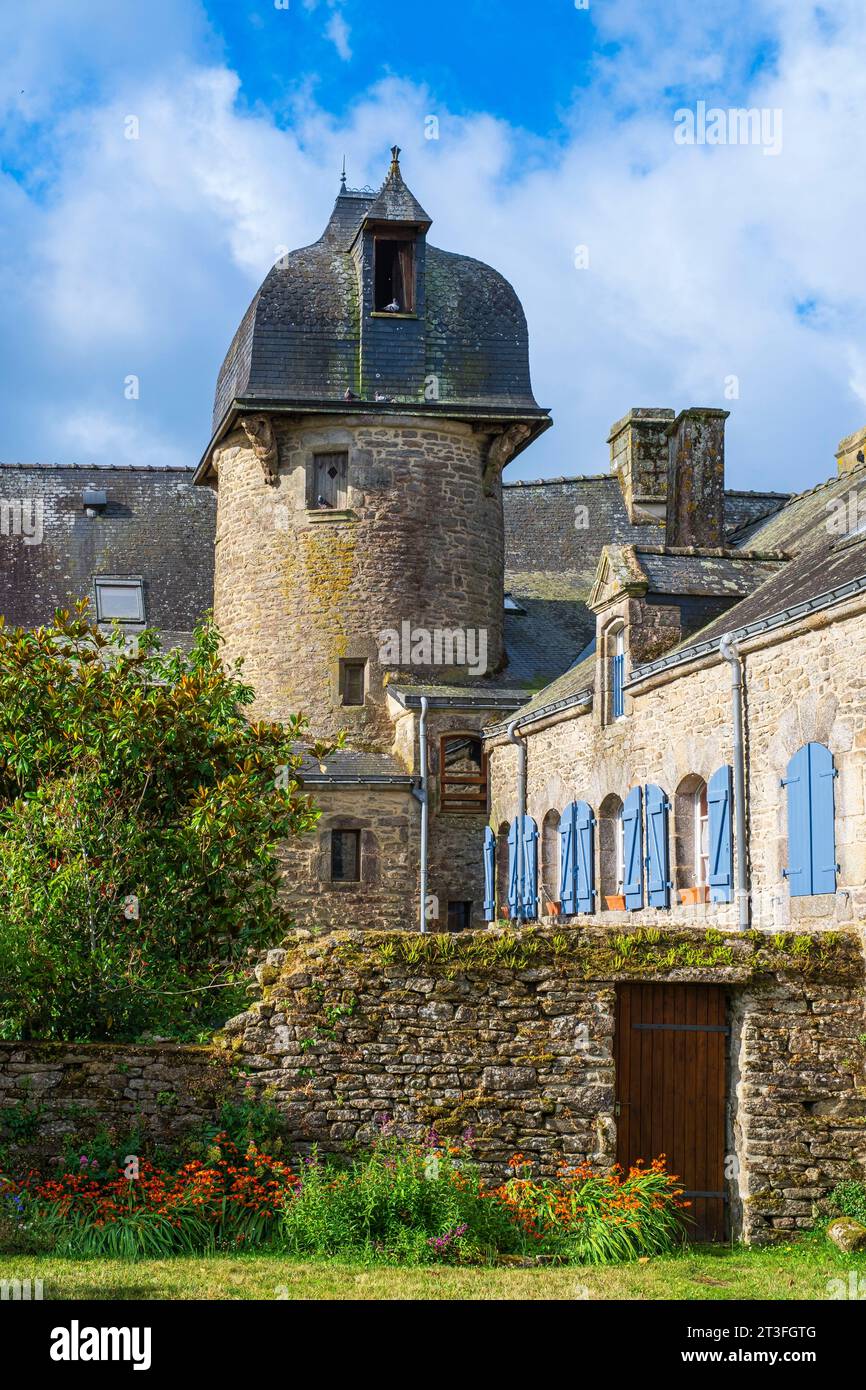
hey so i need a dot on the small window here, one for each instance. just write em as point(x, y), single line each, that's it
point(459, 916)
point(122, 599)
point(330, 481)
point(463, 773)
point(393, 276)
point(353, 677)
point(345, 856)
point(512, 606)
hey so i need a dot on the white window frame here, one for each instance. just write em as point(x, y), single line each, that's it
point(134, 583)
point(620, 851)
point(701, 825)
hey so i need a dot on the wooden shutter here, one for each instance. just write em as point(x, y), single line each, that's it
point(812, 866)
point(567, 860)
point(721, 867)
point(530, 870)
point(513, 886)
point(658, 854)
point(822, 775)
point(632, 857)
point(585, 856)
point(330, 479)
point(489, 874)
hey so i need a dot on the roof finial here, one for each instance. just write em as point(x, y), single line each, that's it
point(343, 176)
point(395, 159)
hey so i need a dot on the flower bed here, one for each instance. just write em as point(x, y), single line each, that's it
point(401, 1202)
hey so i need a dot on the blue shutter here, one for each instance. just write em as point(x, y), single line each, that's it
point(585, 857)
point(618, 683)
point(719, 802)
point(799, 870)
point(489, 874)
point(822, 775)
point(567, 861)
point(530, 870)
point(513, 888)
point(632, 856)
point(657, 857)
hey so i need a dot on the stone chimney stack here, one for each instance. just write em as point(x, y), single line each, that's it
point(639, 457)
point(696, 478)
point(851, 451)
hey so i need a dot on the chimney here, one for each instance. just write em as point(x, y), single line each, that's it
point(696, 478)
point(639, 457)
point(851, 451)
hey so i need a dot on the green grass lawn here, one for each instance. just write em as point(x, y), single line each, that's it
point(796, 1271)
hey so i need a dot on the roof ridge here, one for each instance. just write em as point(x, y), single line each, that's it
point(106, 467)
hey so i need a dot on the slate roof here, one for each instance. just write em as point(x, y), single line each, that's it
point(348, 764)
point(156, 526)
point(822, 558)
point(710, 575)
point(551, 558)
point(300, 339)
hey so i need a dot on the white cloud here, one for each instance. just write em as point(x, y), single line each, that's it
point(145, 254)
point(337, 31)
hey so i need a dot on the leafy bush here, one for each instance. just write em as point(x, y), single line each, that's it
point(413, 1203)
point(849, 1198)
point(597, 1218)
point(140, 814)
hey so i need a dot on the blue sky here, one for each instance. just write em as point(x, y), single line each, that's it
point(711, 274)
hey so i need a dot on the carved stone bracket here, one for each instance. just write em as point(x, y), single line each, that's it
point(501, 449)
point(260, 432)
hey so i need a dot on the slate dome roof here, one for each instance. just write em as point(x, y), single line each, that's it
point(301, 337)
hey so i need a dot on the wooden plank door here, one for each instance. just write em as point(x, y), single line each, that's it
point(670, 1053)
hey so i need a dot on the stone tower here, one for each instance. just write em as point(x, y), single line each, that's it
point(371, 396)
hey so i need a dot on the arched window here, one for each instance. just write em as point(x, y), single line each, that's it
point(550, 858)
point(502, 869)
point(462, 773)
point(610, 847)
point(691, 833)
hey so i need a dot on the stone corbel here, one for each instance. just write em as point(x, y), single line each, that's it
point(503, 445)
point(260, 432)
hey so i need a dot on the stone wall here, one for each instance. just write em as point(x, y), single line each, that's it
point(512, 1036)
point(805, 685)
point(298, 589)
point(166, 1091)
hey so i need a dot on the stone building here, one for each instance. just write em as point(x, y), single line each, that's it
point(642, 698)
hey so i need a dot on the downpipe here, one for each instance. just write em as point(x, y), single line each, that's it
point(731, 653)
point(421, 794)
point(520, 744)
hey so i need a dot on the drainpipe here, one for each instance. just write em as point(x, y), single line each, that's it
point(520, 743)
point(425, 810)
point(731, 652)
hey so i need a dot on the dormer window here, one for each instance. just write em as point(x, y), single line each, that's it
point(393, 274)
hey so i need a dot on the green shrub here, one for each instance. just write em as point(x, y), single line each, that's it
point(849, 1198)
point(402, 1202)
point(140, 817)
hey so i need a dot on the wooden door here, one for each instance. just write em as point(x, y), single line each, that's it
point(670, 1052)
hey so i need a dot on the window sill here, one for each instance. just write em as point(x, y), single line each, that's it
point(381, 314)
point(319, 515)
